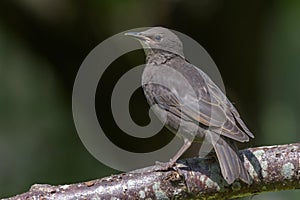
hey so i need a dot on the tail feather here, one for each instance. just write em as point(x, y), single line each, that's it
point(231, 165)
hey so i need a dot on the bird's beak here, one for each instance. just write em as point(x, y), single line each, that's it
point(137, 35)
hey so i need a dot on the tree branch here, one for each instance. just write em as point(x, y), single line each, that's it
point(272, 168)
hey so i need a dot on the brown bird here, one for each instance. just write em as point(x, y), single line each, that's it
point(190, 103)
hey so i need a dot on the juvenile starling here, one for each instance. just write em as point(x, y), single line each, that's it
point(201, 112)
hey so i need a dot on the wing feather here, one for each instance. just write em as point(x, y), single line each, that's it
point(210, 107)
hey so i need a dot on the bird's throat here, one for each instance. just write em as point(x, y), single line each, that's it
point(158, 57)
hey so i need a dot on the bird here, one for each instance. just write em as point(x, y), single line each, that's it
point(189, 103)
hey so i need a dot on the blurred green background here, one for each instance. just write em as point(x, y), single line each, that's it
point(255, 44)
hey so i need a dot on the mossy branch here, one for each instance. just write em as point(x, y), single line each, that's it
point(271, 168)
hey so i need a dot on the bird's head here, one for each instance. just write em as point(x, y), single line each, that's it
point(158, 38)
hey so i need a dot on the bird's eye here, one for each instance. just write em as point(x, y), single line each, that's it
point(157, 37)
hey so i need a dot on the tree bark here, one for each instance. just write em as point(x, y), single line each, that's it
point(272, 168)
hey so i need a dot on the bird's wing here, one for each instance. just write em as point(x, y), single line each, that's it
point(217, 117)
point(216, 95)
point(164, 98)
point(214, 109)
point(210, 107)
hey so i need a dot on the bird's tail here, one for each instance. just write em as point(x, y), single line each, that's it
point(231, 165)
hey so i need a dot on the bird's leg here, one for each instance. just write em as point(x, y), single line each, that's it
point(164, 166)
point(207, 148)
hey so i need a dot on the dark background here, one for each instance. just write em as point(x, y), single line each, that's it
point(255, 45)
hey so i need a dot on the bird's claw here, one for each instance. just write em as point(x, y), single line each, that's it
point(161, 166)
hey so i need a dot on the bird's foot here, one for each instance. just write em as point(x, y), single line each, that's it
point(161, 166)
